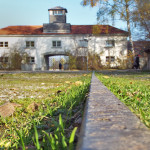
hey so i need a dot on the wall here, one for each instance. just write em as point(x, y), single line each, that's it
point(148, 61)
point(98, 44)
point(43, 46)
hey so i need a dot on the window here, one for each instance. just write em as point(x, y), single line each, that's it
point(83, 43)
point(30, 60)
point(110, 58)
point(4, 59)
point(57, 12)
point(3, 44)
point(110, 43)
point(29, 43)
point(56, 43)
point(6, 44)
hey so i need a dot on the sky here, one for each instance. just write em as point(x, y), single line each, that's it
point(35, 12)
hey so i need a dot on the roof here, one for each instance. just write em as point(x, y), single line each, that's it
point(58, 8)
point(75, 29)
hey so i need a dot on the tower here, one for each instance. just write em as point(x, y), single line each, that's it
point(57, 21)
point(57, 15)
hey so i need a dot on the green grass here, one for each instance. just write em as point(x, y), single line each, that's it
point(132, 89)
point(59, 97)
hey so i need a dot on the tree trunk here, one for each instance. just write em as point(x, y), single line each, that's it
point(128, 26)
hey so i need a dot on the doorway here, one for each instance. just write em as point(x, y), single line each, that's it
point(53, 62)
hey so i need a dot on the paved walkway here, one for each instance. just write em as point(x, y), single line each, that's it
point(71, 71)
point(109, 125)
point(46, 71)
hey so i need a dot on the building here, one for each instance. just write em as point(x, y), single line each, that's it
point(58, 37)
point(141, 48)
point(147, 67)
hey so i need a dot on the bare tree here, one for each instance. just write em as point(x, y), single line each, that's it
point(114, 10)
point(141, 17)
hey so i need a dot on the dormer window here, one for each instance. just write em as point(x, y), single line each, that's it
point(58, 12)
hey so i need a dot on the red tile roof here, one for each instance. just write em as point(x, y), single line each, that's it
point(75, 29)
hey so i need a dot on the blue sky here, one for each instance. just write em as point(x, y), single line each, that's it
point(35, 12)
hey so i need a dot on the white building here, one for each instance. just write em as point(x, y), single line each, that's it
point(58, 38)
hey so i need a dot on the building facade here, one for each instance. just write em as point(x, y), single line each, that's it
point(57, 38)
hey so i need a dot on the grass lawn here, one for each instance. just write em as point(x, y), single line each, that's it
point(133, 89)
point(47, 109)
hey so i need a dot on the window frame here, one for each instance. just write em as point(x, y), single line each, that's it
point(1, 44)
point(58, 44)
point(110, 59)
point(31, 60)
point(57, 12)
point(110, 43)
point(4, 44)
point(83, 43)
point(4, 59)
point(30, 44)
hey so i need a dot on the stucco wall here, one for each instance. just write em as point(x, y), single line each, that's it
point(98, 44)
point(43, 46)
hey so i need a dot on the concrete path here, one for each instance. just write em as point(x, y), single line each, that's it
point(46, 71)
point(109, 125)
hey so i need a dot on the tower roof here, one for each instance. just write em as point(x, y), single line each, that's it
point(58, 8)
